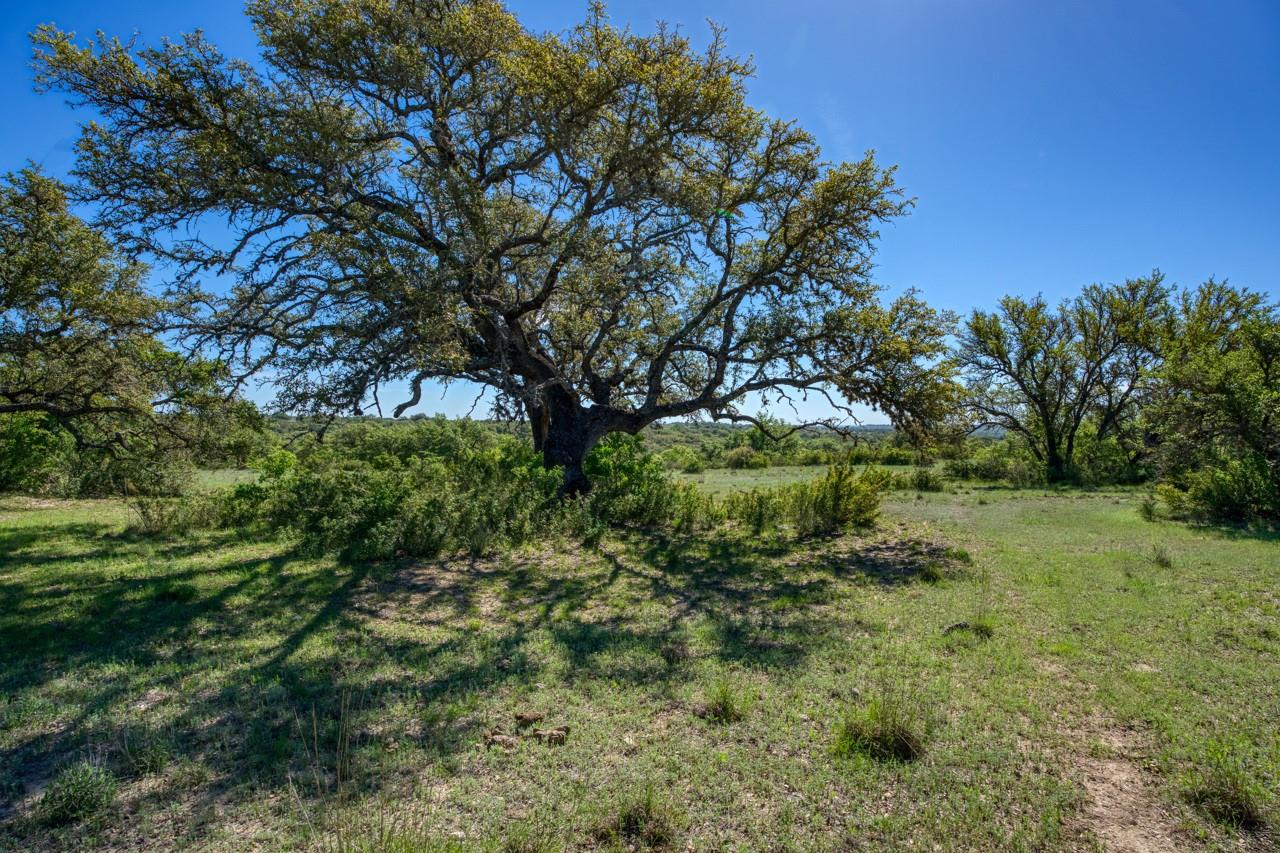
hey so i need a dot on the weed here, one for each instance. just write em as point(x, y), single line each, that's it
point(932, 572)
point(1160, 556)
point(725, 703)
point(174, 593)
point(1148, 508)
point(641, 820)
point(144, 750)
point(1226, 788)
point(79, 791)
point(894, 725)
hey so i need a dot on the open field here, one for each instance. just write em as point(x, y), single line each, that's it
point(246, 696)
point(720, 481)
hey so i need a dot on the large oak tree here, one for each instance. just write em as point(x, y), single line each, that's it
point(594, 224)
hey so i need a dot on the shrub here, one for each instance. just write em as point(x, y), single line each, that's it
point(174, 516)
point(681, 458)
point(921, 479)
point(79, 791)
point(374, 496)
point(34, 454)
point(1234, 490)
point(838, 501)
point(757, 509)
point(745, 457)
point(630, 485)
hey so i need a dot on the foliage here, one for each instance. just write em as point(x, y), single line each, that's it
point(1043, 373)
point(1217, 419)
point(922, 478)
point(745, 457)
point(90, 398)
point(893, 726)
point(33, 454)
point(838, 501)
point(429, 191)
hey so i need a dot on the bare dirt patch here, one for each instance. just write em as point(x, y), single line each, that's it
point(1123, 809)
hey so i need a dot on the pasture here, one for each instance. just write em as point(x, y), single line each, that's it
point(1072, 675)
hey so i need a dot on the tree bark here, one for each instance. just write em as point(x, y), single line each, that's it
point(566, 436)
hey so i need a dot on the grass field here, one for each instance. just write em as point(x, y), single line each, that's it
point(1073, 676)
point(719, 481)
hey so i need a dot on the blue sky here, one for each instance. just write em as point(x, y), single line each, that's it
point(1049, 143)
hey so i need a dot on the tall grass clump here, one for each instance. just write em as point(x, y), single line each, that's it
point(1228, 789)
point(895, 724)
point(81, 790)
point(641, 820)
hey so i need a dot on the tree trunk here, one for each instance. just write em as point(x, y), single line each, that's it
point(566, 437)
point(1055, 466)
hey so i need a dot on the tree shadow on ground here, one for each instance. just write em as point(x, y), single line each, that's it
point(253, 675)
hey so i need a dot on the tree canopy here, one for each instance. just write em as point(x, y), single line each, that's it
point(1217, 414)
point(1042, 372)
point(81, 353)
point(594, 224)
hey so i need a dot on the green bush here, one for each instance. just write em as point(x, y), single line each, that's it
point(79, 791)
point(744, 458)
point(1232, 490)
point(921, 479)
point(838, 501)
point(630, 486)
point(33, 455)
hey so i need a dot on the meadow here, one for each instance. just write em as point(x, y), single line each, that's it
point(987, 668)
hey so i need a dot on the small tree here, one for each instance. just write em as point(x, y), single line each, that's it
point(1041, 372)
point(594, 225)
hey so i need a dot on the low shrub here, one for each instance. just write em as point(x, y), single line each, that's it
point(1234, 491)
point(155, 516)
point(920, 479)
point(838, 501)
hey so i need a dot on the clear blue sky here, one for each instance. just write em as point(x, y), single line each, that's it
point(1049, 143)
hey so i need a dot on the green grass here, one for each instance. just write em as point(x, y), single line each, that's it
point(720, 481)
point(211, 479)
point(245, 696)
